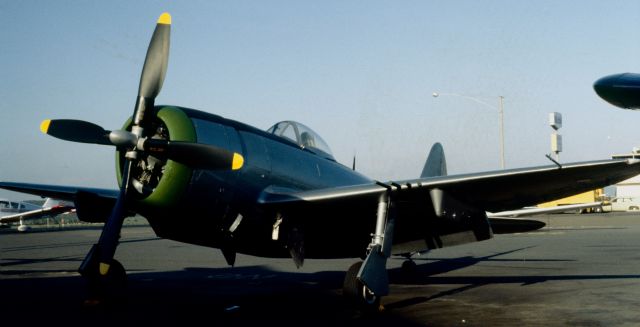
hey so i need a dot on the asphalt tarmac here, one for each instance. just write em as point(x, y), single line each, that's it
point(581, 270)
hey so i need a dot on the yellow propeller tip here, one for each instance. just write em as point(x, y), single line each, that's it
point(238, 161)
point(104, 268)
point(44, 126)
point(165, 18)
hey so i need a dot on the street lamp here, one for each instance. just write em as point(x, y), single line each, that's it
point(500, 111)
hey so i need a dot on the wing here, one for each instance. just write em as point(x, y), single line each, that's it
point(92, 204)
point(67, 193)
point(34, 214)
point(489, 191)
point(442, 211)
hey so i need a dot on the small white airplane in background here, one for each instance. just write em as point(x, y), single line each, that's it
point(11, 211)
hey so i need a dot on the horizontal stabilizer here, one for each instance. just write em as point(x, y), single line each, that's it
point(542, 211)
point(514, 225)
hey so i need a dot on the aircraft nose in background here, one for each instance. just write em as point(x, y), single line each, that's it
point(621, 90)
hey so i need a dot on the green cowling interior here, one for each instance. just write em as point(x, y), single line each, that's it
point(176, 176)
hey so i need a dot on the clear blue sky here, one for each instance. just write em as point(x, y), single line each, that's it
point(361, 73)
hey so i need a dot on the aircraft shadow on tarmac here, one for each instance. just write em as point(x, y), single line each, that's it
point(252, 294)
point(426, 274)
point(245, 294)
point(10, 260)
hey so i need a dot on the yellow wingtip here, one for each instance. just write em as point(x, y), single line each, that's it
point(238, 161)
point(165, 18)
point(44, 126)
point(104, 268)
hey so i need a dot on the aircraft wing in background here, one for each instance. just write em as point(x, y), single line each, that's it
point(38, 213)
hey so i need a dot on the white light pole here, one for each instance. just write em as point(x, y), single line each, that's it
point(500, 111)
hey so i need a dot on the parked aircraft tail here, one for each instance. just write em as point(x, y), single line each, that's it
point(50, 203)
point(436, 165)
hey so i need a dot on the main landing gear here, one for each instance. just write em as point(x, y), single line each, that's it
point(367, 281)
point(358, 293)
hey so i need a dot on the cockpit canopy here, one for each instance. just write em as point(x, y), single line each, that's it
point(303, 136)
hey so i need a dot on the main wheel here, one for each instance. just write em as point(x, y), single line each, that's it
point(356, 292)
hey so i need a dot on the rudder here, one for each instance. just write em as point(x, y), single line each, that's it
point(436, 164)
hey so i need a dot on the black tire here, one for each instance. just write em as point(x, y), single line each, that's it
point(109, 289)
point(358, 293)
point(409, 267)
point(350, 284)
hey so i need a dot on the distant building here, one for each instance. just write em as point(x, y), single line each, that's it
point(631, 186)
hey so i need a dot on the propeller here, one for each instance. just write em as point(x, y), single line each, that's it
point(153, 72)
point(195, 155)
point(191, 154)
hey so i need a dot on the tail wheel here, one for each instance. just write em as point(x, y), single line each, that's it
point(409, 267)
point(356, 292)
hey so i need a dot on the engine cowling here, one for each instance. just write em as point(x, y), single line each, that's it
point(160, 182)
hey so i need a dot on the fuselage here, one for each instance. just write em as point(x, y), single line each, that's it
point(201, 206)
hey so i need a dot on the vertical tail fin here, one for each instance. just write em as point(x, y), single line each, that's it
point(436, 165)
point(49, 203)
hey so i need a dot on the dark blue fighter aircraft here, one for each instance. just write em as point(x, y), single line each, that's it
point(280, 192)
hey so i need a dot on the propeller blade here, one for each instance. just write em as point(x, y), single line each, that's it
point(86, 132)
point(196, 155)
point(75, 131)
point(108, 241)
point(155, 64)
